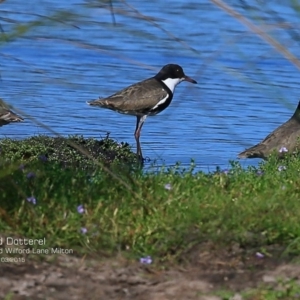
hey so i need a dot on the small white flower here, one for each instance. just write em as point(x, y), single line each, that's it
point(168, 186)
point(83, 230)
point(146, 260)
point(283, 149)
point(259, 255)
point(281, 168)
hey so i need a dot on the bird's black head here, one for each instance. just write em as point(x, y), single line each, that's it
point(173, 71)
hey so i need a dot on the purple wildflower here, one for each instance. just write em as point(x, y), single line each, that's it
point(31, 200)
point(83, 230)
point(225, 171)
point(260, 173)
point(168, 186)
point(21, 167)
point(30, 175)
point(80, 209)
point(281, 168)
point(146, 260)
point(259, 255)
point(283, 149)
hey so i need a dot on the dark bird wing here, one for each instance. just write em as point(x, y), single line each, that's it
point(136, 99)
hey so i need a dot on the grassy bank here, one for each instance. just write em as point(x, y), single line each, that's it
point(161, 214)
point(73, 151)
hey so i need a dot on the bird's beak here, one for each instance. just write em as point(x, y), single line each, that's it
point(189, 79)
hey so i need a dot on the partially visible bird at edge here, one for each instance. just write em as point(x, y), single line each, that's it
point(282, 140)
point(8, 116)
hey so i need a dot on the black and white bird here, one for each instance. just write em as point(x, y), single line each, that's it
point(145, 98)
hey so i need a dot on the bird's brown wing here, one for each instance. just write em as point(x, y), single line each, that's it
point(137, 98)
point(288, 128)
point(282, 132)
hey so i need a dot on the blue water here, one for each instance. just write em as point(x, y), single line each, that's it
point(245, 87)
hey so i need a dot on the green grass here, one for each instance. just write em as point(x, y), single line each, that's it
point(75, 150)
point(134, 212)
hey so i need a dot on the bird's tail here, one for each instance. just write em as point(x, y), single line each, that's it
point(253, 152)
point(10, 116)
point(98, 102)
point(6, 114)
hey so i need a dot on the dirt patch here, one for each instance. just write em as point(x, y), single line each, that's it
point(203, 271)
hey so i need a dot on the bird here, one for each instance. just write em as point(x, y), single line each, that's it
point(145, 98)
point(6, 115)
point(281, 140)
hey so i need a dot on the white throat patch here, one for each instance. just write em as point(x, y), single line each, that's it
point(172, 82)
